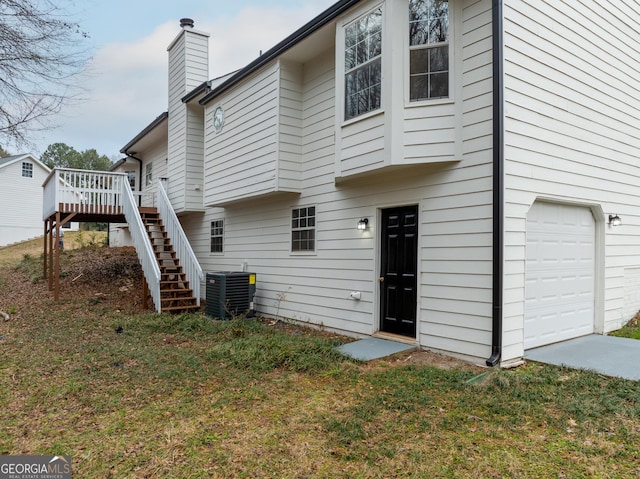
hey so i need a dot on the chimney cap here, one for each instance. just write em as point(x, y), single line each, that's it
point(186, 22)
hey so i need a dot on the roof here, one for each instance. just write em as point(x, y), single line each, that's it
point(150, 127)
point(296, 37)
point(8, 160)
point(207, 86)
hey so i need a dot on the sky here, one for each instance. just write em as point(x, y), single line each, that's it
point(125, 85)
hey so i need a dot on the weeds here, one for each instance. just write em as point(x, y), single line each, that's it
point(31, 266)
point(146, 395)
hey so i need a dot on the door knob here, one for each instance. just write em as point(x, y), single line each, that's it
point(381, 279)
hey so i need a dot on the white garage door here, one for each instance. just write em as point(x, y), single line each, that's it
point(560, 272)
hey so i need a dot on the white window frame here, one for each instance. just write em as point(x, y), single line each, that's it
point(451, 54)
point(297, 228)
point(27, 167)
point(340, 77)
point(148, 174)
point(219, 235)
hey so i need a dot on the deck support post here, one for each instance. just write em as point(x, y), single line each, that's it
point(50, 240)
point(44, 244)
point(56, 292)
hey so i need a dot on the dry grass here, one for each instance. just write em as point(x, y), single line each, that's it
point(188, 397)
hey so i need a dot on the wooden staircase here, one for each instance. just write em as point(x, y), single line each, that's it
point(175, 293)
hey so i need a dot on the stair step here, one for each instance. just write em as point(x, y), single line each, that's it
point(182, 291)
point(177, 309)
point(170, 302)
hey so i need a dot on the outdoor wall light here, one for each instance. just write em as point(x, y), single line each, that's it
point(614, 220)
point(363, 224)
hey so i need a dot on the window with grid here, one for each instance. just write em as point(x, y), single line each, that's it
point(428, 49)
point(217, 236)
point(303, 229)
point(363, 64)
point(27, 169)
point(148, 174)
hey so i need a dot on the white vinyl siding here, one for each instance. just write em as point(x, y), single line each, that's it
point(21, 199)
point(454, 197)
point(258, 151)
point(571, 121)
point(154, 167)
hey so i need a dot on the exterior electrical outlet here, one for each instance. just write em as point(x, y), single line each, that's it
point(230, 294)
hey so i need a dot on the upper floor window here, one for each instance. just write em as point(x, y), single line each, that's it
point(428, 49)
point(303, 229)
point(27, 169)
point(363, 64)
point(148, 174)
point(217, 236)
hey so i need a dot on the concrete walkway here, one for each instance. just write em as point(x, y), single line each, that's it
point(608, 355)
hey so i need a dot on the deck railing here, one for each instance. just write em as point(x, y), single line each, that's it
point(188, 260)
point(83, 191)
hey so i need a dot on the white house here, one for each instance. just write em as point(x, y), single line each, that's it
point(21, 178)
point(449, 172)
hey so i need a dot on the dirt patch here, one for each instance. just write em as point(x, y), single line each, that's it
point(97, 275)
point(430, 358)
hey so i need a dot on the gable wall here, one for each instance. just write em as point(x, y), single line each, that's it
point(572, 76)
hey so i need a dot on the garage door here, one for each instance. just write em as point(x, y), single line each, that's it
point(560, 274)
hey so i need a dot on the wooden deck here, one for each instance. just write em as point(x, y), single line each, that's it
point(171, 270)
point(81, 196)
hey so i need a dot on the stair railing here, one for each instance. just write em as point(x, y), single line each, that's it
point(181, 245)
point(142, 243)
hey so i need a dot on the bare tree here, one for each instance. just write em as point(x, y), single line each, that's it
point(41, 53)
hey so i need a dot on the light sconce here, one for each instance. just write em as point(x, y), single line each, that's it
point(614, 220)
point(363, 224)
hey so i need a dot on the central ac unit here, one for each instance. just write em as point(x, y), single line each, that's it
point(230, 294)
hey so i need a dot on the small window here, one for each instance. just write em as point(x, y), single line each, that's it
point(131, 176)
point(148, 174)
point(303, 229)
point(27, 169)
point(428, 49)
point(217, 236)
point(363, 65)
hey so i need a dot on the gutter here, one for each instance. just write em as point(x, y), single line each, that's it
point(498, 183)
point(296, 37)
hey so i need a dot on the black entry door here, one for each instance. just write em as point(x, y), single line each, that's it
point(398, 276)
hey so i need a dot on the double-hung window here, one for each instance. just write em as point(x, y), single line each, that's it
point(428, 49)
point(217, 236)
point(303, 229)
point(363, 64)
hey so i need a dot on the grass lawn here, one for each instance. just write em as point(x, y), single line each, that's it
point(132, 394)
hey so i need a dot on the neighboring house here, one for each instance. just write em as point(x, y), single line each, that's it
point(21, 178)
point(449, 172)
